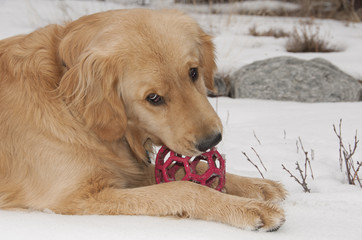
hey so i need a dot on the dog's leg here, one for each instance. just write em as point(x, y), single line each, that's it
point(182, 199)
point(261, 189)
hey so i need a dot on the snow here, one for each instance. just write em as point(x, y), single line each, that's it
point(333, 209)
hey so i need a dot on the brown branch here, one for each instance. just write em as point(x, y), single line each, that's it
point(307, 161)
point(256, 137)
point(303, 183)
point(355, 176)
point(304, 180)
point(291, 175)
point(259, 159)
point(340, 143)
point(247, 158)
point(297, 145)
point(303, 174)
point(346, 157)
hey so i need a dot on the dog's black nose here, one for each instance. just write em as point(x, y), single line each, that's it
point(209, 142)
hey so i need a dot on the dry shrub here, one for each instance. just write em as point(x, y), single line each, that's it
point(349, 10)
point(308, 39)
point(276, 33)
point(336, 9)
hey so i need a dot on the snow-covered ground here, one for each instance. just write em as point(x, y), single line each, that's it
point(333, 209)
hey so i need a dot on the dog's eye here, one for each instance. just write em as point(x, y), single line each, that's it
point(155, 99)
point(194, 74)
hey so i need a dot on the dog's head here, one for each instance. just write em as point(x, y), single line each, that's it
point(142, 74)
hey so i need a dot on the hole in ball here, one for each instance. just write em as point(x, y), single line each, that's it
point(173, 171)
point(199, 165)
point(213, 181)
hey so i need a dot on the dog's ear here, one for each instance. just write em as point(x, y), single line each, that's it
point(208, 59)
point(90, 89)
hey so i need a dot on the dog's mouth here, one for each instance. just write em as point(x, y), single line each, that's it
point(151, 143)
point(187, 147)
point(188, 152)
point(194, 154)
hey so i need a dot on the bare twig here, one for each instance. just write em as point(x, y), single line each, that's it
point(356, 174)
point(339, 135)
point(345, 156)
point(303, 173)
point(247, 158)
point(256, 137)
point(303, 183)
point(291, 175)
point(259, 159)
point(307, 160)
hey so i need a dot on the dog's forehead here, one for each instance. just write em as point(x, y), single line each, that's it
point(161, 35)
point(159, 78)
point(163, 53)
point(172, 47)
point(160, 50)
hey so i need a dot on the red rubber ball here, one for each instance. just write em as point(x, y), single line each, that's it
point(170, 166)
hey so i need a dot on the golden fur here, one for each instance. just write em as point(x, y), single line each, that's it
point(75, 122)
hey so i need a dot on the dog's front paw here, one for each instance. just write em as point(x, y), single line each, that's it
point(264, 216)
point(271, 191)
point(241, 212)
point(261, 189)
point(272, 217)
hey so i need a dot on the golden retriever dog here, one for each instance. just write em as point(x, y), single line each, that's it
point(81, 105)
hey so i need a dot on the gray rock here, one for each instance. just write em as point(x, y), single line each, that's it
point(292, 79)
